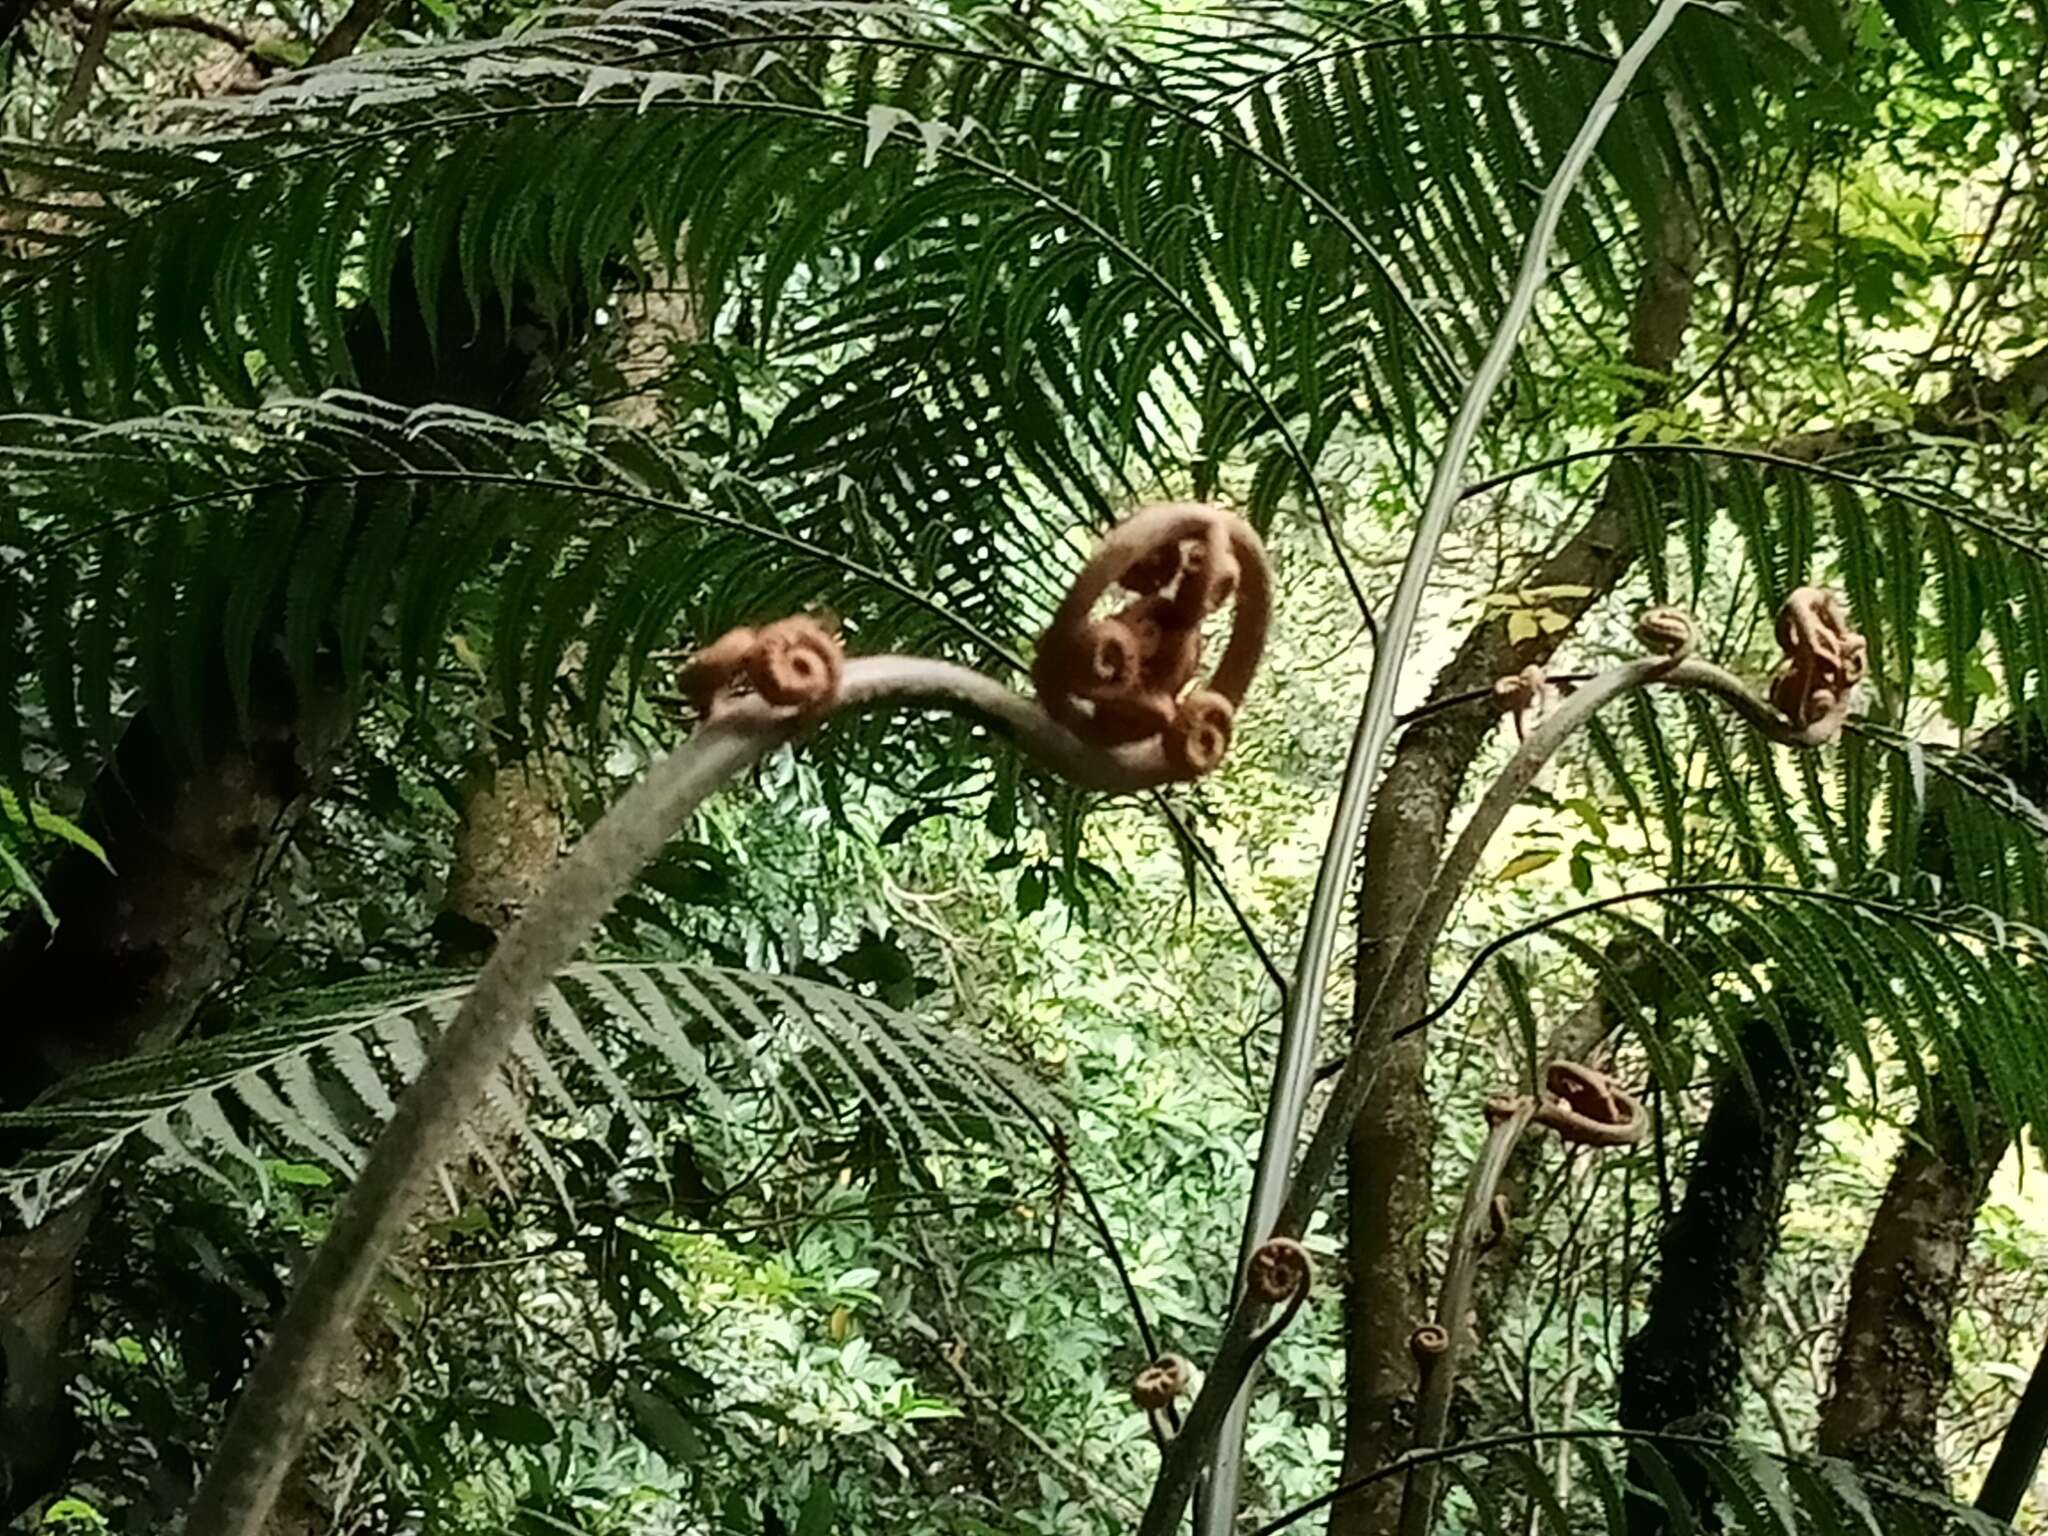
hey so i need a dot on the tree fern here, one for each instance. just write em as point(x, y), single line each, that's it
point(319, 1075)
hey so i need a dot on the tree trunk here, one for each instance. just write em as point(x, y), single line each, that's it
point(1388, 1194)
point(139, 944)
point(136, 950)
point(1680, 1370)
point(1893, 1367)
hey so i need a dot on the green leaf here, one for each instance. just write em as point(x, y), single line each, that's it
point(820, 1509)
point(514, 1423)
point(662, 1425)
point(1526, 863)
point(36, 817)
point(1916, 22)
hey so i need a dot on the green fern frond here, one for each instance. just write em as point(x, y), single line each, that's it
point(338, 527)
point(984, 284)
point(1947, 998)
point(1894, 547)
point(321, 1074)
point(1585, 1480)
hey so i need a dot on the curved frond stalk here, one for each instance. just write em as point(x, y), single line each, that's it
point(1889, 530)
point(1939, 991)
point(269, 1423)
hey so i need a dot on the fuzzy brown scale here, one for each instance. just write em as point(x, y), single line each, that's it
point(794, 663)
point(1161, 1383)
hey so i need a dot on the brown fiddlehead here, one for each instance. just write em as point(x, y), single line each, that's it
point(1586, 1108)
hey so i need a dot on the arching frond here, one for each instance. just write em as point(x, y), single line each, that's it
point(164, 551)
point(983, 287)
point(1897, 547)
point(316, 1079)
point(1954, 1002)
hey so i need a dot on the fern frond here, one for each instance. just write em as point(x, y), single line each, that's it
point(1513, 1483)
point(1954, 1000)
point(1894, 547)
point(321, 1074)
point(336, 527)
point(986, 283)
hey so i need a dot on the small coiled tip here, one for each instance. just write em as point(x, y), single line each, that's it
point(1111, 654)
point(1667, 631)
point(1160, 1384)
point(1429, 1343)
point(1280, 1270)
point(796, 664)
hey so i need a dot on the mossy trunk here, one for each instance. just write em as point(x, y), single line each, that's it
point(137, 947)
point(1388, 1194)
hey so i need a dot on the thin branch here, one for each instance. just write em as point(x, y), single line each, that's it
point(169, 21)
point(348, 32)
point(92, 53)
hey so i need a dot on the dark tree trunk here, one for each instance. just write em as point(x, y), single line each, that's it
point(1681, 1369)
point(139, 944)
point(1389, 1150)
point(136, 949)
point(1894, 1367)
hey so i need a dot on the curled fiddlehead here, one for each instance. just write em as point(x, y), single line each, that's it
point(1128, 681)
point(1279, 1271)
point(1588, 1108)
point(1162, 1382)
